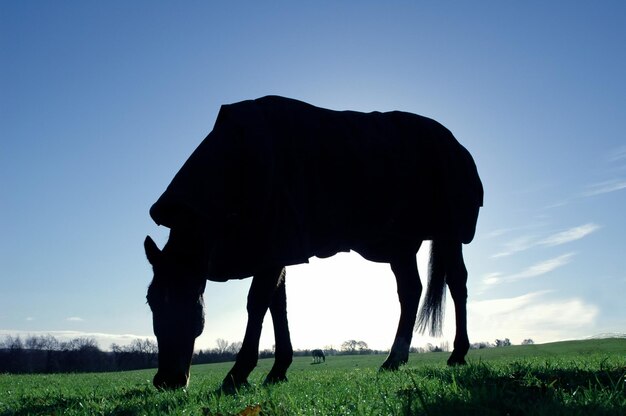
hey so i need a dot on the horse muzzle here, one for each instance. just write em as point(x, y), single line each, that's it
point(170, 380)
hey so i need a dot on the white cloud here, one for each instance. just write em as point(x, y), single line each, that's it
point(521, 243)
point(29, 318)
point(543, 267)
point(492, 278)
point(496, 233)
point(618, 154)
point(531, 316)
point(570, 235)
point(75, 319)
point(616, 160)
point(535, 270)
point(508, 230)
point(527, 242)
point(605, 187)
point(506, 305)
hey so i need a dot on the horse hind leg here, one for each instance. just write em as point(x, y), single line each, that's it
point(284, 352)
point(260, 298)
point(409, 291)
point(456, 279)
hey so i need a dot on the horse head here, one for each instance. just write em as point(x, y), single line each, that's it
point(175, 297)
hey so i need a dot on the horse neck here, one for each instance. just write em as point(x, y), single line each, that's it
point(188, 247)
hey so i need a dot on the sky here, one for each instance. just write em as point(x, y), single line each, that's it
point(102, 102)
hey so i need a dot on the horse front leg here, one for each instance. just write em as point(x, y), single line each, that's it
point(409, 292)
point(259, 298)
point(284, 352)
point(456, 279)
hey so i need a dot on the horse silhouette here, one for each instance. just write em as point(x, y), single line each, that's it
point(318, 356)
point(278, 181)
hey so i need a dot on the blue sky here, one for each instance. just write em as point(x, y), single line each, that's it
point(102, 102)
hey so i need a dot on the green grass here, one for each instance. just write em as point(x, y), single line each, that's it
point(567, 378)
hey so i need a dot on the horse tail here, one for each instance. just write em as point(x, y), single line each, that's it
point(432, 312)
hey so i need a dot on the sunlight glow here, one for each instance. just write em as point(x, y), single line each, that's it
point(531, 315)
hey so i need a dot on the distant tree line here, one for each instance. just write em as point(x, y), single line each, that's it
point(355, 347)
point(499, 343)
point(443, 347)
point(46, 354)
point(225, 351)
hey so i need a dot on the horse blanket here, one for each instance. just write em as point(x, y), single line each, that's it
point(278, 181)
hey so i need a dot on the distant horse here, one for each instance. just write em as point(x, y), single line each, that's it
point(318, 356)
point(278, 181)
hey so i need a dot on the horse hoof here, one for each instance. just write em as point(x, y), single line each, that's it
point(454, 361)
point(389, 366)
point(229, 388)
point(273, 379)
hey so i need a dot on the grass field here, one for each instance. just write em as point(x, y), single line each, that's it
point(565, 378)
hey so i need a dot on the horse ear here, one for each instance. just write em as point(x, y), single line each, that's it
point(152, 251)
